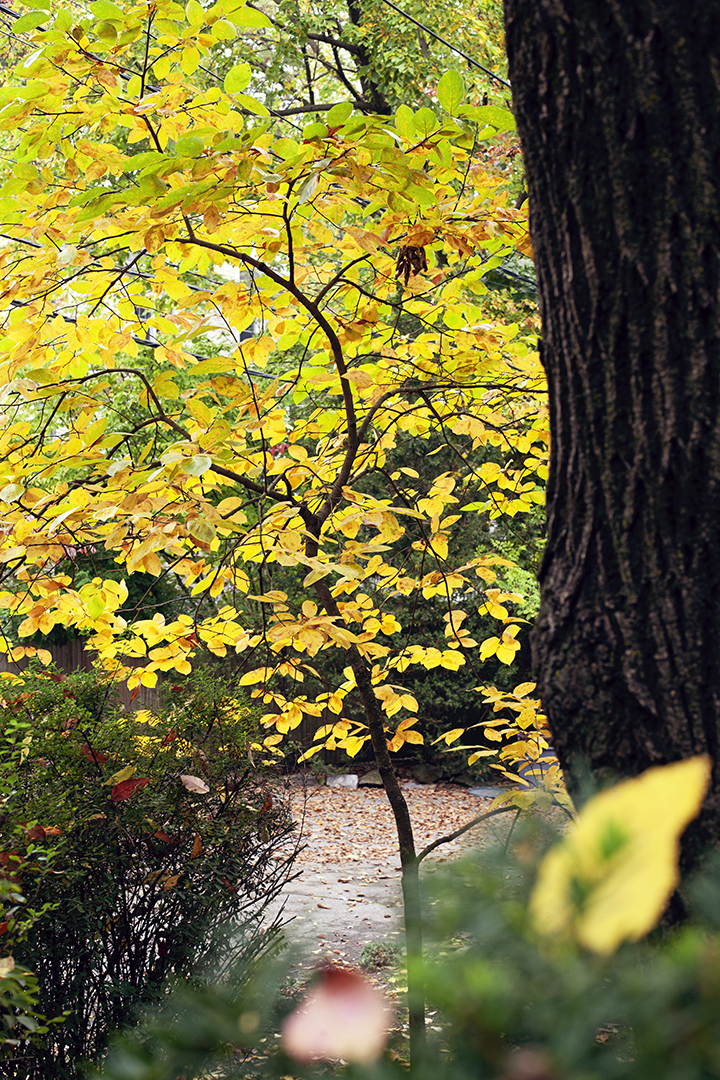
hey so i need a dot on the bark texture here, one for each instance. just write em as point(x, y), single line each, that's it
point(618, 108)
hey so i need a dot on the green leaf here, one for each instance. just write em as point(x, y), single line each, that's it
point(249, 17)
point(95, 605)
point(222, 30)
point(425, 122)
point(31, 21)
point(189, 146)
point(339, 114)
point(316, 130)
point(139, 161)
point(308, 188)
point(450, 91)
point(195, 13)
point(63, 21)
point(237, 78)
point(286, 148)
point(252, 104)
point(98, 207)
point(105, 9)
point(86, 196)
point(106, 31)
point(198, 465)
point(493, 115)
point(202, 531)
point(404, 122)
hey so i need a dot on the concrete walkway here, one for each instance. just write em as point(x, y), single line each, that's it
point(348, 892)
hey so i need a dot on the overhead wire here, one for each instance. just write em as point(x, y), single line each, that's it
point(443, 41)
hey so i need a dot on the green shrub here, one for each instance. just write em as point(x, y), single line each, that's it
point(379, 954)
point(19, 1015)
point(147, 845)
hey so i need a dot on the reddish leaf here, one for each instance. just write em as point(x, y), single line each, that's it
point(35, 833)
point(165, 837)
point(93, 755)
point(52, 830)
point(170, 737)
point(197, 846)
point(135, 693)
point(126, 788)
point(3, 927)
point(11, 861)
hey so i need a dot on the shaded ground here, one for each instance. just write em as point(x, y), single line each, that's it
point(347, 894)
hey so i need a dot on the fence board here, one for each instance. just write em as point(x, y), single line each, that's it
point(73, 656)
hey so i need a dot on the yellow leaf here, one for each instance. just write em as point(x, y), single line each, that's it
point(312, 751)
point(451, 736)
point(189, 60)
point(151, 564)
point(258, 675)
point(452, 660)
point(351, 745)
point(523, 688)
point(361, 378)
point(610, 879)
point(478, 754)
point(505, 652)
point(118, 777)
point(488, 647)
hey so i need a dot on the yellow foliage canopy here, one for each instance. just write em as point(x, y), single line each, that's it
point(207, 355)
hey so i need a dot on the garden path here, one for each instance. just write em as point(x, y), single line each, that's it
point(346, 894)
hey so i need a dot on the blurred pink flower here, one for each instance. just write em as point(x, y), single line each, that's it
point(342, 1017)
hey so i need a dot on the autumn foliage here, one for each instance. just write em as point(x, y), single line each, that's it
point(209, 360)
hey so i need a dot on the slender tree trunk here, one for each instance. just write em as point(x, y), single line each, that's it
point(412, 907)
point(618, 109)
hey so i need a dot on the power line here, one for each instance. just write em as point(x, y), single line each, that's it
point(427, 30)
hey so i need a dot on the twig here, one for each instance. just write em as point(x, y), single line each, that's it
point(464, 829)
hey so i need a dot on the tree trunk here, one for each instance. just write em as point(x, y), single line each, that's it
point(618, 109)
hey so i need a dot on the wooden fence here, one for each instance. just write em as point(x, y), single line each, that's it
point(73, 656)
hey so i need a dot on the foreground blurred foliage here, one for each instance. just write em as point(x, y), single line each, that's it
point(146, 848)
point(512, 1000)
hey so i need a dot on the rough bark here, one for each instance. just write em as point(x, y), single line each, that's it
point(618, 109)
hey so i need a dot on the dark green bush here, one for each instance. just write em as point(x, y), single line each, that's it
point(161, 847)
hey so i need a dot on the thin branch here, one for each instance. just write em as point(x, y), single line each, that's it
point(464, 829)
point(335, 493)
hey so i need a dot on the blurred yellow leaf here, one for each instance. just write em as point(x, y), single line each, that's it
point(610, 879)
